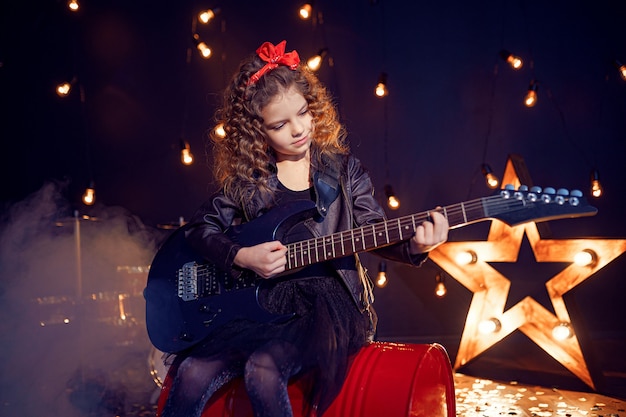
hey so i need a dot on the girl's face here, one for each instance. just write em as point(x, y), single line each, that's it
point(288, 124)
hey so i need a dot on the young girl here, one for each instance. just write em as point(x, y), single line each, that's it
point(283, 143)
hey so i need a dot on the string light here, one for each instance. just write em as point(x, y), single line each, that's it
point(596, 187)
point(514, 61)
point(89, 197)
point(381, 88)
point(490, 178)
point(392, 201)
point(65, 88)
point(206, 16)
point(73, 5)
point(202, 47)
point(186, 156)
point(621, 68)
point(315, 62)
point(219, 130)
point(440, 288)
point(305, 12)
point(381, 278)
point(531, 95)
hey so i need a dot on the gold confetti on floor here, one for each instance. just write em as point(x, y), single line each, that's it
point(476, 397)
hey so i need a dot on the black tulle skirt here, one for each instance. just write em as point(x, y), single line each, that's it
point(326, 328)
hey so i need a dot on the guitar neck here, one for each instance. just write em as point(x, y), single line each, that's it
point(377, 235)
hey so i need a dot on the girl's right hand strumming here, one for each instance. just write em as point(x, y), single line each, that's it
point(266, 259)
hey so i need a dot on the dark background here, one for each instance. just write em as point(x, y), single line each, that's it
point(453, 104)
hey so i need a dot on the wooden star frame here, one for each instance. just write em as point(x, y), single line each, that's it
point(490, 288)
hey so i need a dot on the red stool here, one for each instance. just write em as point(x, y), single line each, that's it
point(385, 379)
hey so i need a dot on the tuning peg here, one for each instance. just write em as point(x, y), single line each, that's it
point(561, 193)
point(575, 197)
point(548, 192)
point(506, 191)
point(535, 189)
point(523, 188)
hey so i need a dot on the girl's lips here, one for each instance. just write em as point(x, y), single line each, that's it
point(301, 141)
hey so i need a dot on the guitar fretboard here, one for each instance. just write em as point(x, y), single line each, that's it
point(377, 235)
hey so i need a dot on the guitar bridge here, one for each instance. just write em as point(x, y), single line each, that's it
point(188, 281)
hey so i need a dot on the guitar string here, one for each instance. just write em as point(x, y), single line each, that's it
point(301, 252)
point(371, 233)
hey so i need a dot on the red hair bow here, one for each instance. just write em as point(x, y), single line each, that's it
point(274, 56)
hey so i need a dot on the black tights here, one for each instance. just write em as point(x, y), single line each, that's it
point(266, 373)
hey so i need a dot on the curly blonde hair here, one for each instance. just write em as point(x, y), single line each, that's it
point(242, 158)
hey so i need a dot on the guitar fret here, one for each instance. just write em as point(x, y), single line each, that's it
point(352, 234)
point(464, 215)
point(400, 230)
point(325, 244)
point(363, 238)
point(343, 249)
point(308, 252)
point(317, 254)
point(289, 256)
point(386, 232)
point(374, 235)
point(301, 254)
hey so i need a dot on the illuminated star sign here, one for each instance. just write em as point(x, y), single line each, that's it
point(490, 288)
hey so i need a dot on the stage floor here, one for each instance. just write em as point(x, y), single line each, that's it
point(476, 397)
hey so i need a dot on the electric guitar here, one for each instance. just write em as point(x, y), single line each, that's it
point(188, 298)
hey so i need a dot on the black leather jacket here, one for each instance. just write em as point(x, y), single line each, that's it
point(354, 206)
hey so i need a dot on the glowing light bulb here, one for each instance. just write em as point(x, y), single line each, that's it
point(393, 202)
point(73, 5)
point(490, 178)
point(531, 96)
point(305, 11)
point(186, 156)
point(514, 61)
point(314, 62)
point(63, 90)
point(206, 16)
point(381, 90)
point(204, 49)
point(89, 197)
point(596, 187)
point(586, 257)
point(531, 99)
point(440, 288)
point(219, 130)
point(562, 331)
point(489, 326)
point(466, 257)
point(381, 277)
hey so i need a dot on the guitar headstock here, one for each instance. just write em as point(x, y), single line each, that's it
point(517, 206)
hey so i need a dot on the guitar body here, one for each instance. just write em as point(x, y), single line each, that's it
point(174, 323)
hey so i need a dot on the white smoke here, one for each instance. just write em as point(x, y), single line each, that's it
point(72, 315)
